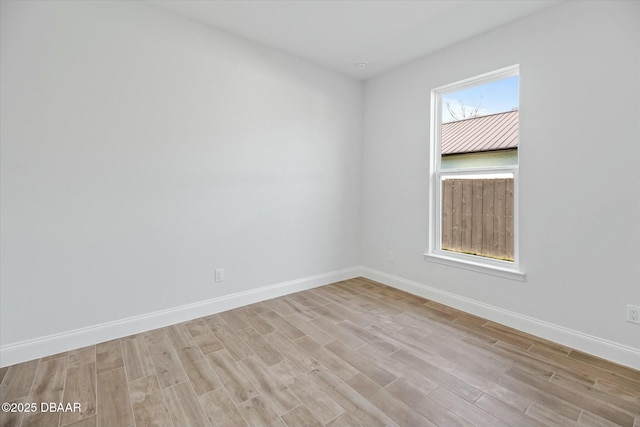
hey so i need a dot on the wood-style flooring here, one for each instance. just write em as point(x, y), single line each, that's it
point(354, 353)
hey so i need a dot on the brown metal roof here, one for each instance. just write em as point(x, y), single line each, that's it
point(486, 133)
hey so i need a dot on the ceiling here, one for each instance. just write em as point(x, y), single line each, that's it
point(340, 34)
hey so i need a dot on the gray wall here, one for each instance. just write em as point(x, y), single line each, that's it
point(579, 167)
point(141, 150)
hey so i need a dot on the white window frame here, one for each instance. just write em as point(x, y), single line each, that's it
point(435, 253)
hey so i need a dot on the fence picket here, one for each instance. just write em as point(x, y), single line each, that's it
point(477, 216)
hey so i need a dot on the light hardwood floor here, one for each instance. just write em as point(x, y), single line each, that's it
point(354, 353)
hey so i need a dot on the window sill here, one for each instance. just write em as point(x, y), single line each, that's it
point(478, 267)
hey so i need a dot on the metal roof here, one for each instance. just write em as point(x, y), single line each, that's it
point(486, 133)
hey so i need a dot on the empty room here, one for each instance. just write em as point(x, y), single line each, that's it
point(319, 213)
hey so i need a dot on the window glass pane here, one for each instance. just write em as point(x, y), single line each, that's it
point(479, 126)
point(481, 160)
point(477, 215)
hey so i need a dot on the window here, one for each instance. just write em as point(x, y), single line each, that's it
point(474, 174)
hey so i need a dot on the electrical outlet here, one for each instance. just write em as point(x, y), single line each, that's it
point(391, 256)
point(219, 274)
point(633, 314)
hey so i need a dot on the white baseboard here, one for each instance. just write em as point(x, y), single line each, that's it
point(615, 352)
point(11, 354)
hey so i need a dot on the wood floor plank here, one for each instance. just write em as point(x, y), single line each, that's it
point(299, 296)
point(294, 305)
point(605, 364)
point(232, 342)
point(558, 348)
point(113, 400)
point(618, 392)
point(48, 386)
point(203, 336)
point(549, 417)
point(309, 329)
point(260, 345)
point(299, 309)
point(461, 388)
point(362, 319)
point(506, 413)
point(85, 422)
point(180, 336)
point(64, 354)
point(311, 304)
point(369, 303)
point(259, 307)
point(560, 406)
point(344, 420)
point(329, 359)
point(293, 352)
point(576, 365)
point(13, 418)
point(18, 380)
point(460, 354)
point(532, 362)
point(570, 379)
point(81, 356)
point(234, 320)
point(482, 379)
point(283, 326)
point(509, 335)
point(588, 390)
point(108, 356)
point(167, 365)
point(80, 387)
point(399, 370)
point(377, 373)
point(328, 294)
point(395, 409)
point(3, 372)
point(278, 306)
point(147, 400)
point(301, 417)
point(587, 419)
point(320, 296)
point(184, 406)
point(155, 336)
point(200, 373)
point(350, 400)
point(259, 413)
point(321, 405)
point(337, 333)
point(281, 398)
point(137, 360)
point(258, 323)
point(404, 338)
point(406, 319)
point(577, 397)
point(286, 371)
point(466, 410)
point(221, 410)
point(367, 336)
point(420, 402)
point(233, 378)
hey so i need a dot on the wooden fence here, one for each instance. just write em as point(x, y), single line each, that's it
point(477, 217)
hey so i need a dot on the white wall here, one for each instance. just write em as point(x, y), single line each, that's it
point(141, 150)
point(579, 167)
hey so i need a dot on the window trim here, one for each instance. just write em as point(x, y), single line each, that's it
point(434, 252)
